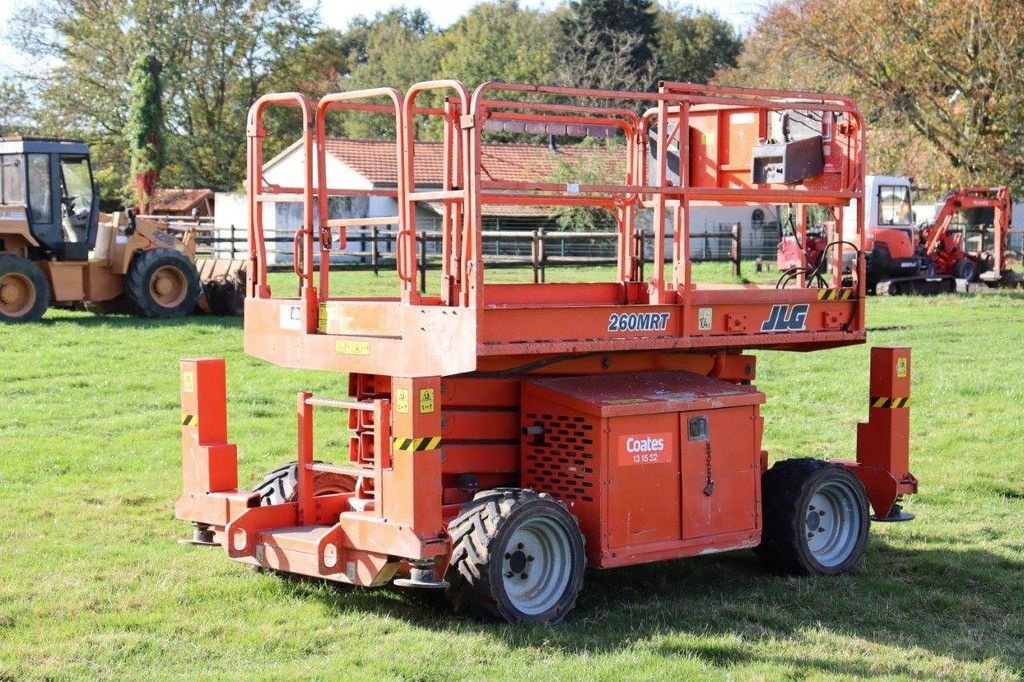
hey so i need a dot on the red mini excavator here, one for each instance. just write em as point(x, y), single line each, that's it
point(945, 246)
point(904, 259)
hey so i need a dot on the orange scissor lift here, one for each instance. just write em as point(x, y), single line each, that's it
point(506, 436)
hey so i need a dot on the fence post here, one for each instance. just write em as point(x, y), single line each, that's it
point(374, 253)
point(423, 262)
point(737, 251)
point(637, 266)
point(542, 255)
point(535, 254)
point(233, 238)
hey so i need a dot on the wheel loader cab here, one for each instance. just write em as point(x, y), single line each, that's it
point(52, 181)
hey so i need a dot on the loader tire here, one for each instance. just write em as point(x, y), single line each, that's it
point(24, 290)
point(517, 555)
point(815, 517)
point(965, 269)
point(280, 485)
point(162, 283)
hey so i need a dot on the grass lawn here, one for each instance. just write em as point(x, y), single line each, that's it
point(93, 582)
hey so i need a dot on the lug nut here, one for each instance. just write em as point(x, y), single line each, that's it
point(523, 576)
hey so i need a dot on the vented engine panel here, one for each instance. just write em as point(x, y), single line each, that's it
point(654, 465)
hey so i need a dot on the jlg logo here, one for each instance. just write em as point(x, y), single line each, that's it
point(648, 448)
point(784, 318)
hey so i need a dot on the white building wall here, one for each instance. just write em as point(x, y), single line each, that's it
point(230, 217)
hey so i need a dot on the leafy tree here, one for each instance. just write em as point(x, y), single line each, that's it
point(608, 44)
point(938, 81)
point(500, 41)
point(396, 48)
point(589, 169)
point(144, 128)
point(218, 56)
point(693, 44)
point(16, 110)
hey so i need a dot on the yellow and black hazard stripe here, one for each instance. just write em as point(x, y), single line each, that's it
point(835, 294)
point(417, 444)
point(189, 420)
point(889, 403)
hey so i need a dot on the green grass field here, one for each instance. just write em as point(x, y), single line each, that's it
point(93, 581)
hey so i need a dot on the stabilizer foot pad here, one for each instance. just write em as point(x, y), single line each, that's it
point(193, 541)
point(896, 515)
point(424, 584)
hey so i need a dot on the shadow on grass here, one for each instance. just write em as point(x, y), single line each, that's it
point(721, 609)
point(129, 321)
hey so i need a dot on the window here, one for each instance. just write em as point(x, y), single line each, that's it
point(39, 190)
point(77, 183)
point(12, 184)
point(894, 205)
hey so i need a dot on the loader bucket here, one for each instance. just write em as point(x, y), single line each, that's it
point(223, 281)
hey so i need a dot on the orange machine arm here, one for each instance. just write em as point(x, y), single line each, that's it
point(967, 198)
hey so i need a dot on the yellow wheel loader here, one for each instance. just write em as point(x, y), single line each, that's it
point(57, 249)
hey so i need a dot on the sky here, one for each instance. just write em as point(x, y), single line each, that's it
point(338, 13)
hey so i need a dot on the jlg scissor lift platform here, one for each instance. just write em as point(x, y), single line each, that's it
point(506, 436)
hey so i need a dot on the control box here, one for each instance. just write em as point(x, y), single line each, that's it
point(655, 465)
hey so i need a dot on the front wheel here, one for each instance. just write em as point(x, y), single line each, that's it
point(24, 291)
point(517, 556)
point(815, 518)
point(162, 283)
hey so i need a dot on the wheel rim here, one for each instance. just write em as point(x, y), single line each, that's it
point(17, 294)
point(536, 565)
point(168, 286)
point(832, 523)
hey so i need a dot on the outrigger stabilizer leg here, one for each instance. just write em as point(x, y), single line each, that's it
point(883, 442)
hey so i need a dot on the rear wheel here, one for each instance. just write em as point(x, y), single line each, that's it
point(965, 269)
point(516, 556)
point(281, 484)
point(24, 291)
point(162, 283)
point(815, 518)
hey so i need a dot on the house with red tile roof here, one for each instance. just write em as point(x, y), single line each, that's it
point(182, 202)
point(372, 165)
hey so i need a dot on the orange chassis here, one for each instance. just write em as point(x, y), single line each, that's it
point(437, 383)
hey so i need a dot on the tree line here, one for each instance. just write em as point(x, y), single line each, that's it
point(220, 55)
point(937, 81)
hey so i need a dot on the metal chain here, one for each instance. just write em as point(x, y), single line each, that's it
point(709, 484)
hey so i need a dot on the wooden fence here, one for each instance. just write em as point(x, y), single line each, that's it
point(599, 247)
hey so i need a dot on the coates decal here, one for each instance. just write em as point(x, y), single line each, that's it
point(645, 448)
point(785, 318)
point(638, 322)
